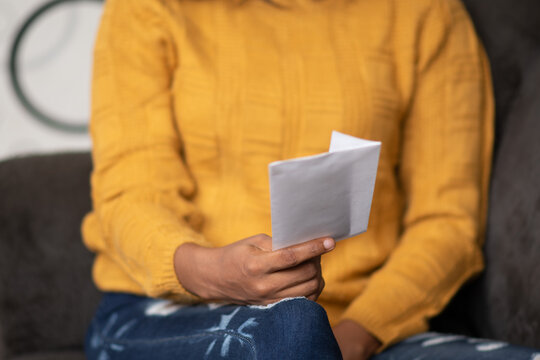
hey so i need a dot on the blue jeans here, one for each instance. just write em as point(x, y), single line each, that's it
point(133, 327)
point(428, 346)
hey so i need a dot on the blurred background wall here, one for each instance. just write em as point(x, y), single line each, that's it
point(53, 64)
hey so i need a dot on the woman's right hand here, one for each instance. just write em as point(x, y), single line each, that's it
point(249, 272)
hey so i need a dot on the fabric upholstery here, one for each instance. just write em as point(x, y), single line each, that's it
point(504, 303)
point(64, 355)
point(508, 296)
point(46, 294)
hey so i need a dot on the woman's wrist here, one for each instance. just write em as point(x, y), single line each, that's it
point(355, 341)
point(193, 264)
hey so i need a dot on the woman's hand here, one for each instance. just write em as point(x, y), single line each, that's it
point(355, 342)
point(249, 272)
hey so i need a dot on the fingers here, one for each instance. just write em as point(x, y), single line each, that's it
point(294, 255)
point(310, 289)
point(315, 296)
point(294, 276)
point(302, 280)
point(268, 276)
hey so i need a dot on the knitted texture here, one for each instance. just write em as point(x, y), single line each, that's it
point(193, 99)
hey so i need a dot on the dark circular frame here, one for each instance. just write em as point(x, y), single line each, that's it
point(31, 107)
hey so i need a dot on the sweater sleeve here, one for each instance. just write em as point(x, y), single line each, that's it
point(141, 186)
point(444, 170)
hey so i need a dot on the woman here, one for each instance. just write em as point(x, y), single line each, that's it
point(193, 99)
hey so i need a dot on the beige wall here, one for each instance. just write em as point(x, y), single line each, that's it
point(55, 63)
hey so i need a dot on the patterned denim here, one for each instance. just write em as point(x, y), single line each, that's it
point(437, 346)
point(133, 327)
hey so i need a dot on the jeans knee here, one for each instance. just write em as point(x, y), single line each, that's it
point(302, 328)
point(304, 314)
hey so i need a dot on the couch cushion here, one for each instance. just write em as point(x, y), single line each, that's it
point(507, 300)
point(504, 303)
point(64, 355)
point(46, 294)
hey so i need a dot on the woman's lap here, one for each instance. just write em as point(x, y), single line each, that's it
point(133, 327)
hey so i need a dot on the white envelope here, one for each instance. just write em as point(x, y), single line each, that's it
point(327, 194)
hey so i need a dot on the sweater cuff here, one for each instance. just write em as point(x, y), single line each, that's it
point(365, 313)
point(394, 315)
point(166, 284)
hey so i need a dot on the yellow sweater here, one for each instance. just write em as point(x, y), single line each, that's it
point(193, 99)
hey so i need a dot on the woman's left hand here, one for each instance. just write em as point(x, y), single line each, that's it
point(355, 342)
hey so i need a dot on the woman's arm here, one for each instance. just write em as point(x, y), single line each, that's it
point(444, 169)
point(141, 186)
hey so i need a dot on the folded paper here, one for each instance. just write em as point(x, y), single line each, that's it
point(327, 194)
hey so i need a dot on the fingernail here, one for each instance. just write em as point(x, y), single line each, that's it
point(329, 244)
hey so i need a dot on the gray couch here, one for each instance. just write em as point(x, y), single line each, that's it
point(47, 298)
point(46, 293)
